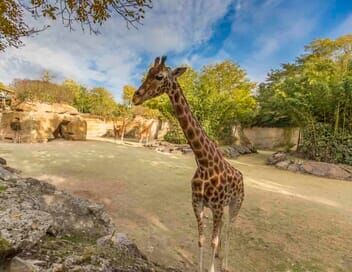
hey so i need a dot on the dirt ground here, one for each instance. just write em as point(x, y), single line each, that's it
point(288, 222)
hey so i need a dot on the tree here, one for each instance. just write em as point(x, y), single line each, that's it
point(127, 94)
point(86, 13)
point(80, 95)
point(102, 102)
point(224, 99)
point(314, 93)
point(47, 76)
point(316, 88)
point(42, 91)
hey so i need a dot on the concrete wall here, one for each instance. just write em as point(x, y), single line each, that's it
point(97, 127)
point(269, 138)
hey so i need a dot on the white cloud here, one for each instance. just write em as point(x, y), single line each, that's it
point(112, 58)
point(274, 26)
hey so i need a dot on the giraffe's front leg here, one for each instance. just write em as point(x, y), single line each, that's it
point(199, 212)
point(217, 222)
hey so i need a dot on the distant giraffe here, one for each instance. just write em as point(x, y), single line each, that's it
point(145, 131)
point(119, 130)
point(215, 184)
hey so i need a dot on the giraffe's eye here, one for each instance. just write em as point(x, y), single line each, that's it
point(159, 77)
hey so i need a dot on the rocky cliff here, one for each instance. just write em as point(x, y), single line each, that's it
point(45, 229)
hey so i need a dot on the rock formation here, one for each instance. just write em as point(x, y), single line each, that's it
point(322, 169)
point(42, 122)
point(43, 229)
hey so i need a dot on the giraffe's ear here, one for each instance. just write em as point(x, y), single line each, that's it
point(156, 61)
point(163, 59)
point(178, 71)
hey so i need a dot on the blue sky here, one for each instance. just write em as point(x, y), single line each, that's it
point(257, 34)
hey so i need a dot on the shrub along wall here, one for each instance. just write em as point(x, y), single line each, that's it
point(320, 142)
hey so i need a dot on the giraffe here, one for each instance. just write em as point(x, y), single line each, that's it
point(144, 132)
point(216, 184)
point(120, 129)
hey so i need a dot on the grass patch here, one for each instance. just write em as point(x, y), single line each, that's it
point(84, 247)
point(2, 188)
point(5, 249)
point(4, 245)
point(79, 238)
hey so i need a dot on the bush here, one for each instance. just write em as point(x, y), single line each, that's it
point(42, 91)
point(175, 135)
point(322, 144)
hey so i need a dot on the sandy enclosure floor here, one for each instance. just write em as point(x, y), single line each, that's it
point(288, 222)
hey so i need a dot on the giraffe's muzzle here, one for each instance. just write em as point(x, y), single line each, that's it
point(137, 100)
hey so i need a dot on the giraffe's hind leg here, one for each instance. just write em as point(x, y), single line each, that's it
point(234, 208)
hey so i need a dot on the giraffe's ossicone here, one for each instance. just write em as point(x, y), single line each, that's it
point(216, 184)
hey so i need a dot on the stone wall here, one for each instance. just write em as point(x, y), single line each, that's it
point(269, 138)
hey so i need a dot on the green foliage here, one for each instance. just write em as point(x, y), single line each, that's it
point(127, 94)
point(97, 101)
point(5, 249)
point(316, 88)
point(128, 111)
point(321, 143)
point(42, 91)
point(47, 76)
point(175, 134)
point(2, 85)
point(80, 95)
point(88, 14)
point(223, 99)
point(313, 92)
point(219, 96)
point(101, 102)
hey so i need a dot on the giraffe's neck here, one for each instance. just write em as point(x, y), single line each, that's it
point(203, 147)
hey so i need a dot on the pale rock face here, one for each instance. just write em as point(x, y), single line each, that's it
point(45, 107)
point(41, 122)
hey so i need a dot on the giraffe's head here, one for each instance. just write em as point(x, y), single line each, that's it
point(159, 80)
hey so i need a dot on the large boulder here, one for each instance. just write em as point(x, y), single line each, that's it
point(321, 169)
point(43, 229)
point(230, 152)
point(234, 151)
point(75, 128)
point(324, 169)
point(276, 158)
point(284, 164)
